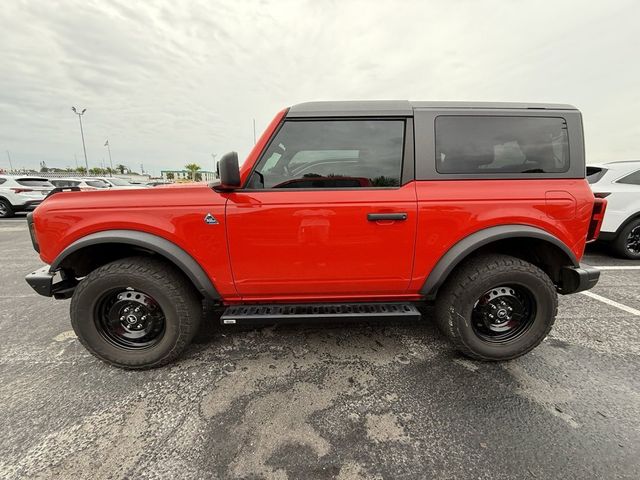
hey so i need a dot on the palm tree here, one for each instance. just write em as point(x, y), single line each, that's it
point(81, 170)
point(193, 168)
point(121, 168)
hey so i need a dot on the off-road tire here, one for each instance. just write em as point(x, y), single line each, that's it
point(7, 209)
point(171, 290)
point(455, 301)
point(620, 243)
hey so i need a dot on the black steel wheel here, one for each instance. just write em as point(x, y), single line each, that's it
point(627, 243)
point(503, 313)
point(496, 307)
point(136, 312)
point(633, 241)
point(6, 210)
point(129, 319)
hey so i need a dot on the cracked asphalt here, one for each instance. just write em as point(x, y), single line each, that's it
point(382, 400)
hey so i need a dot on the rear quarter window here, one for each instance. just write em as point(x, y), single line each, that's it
point(631, 179)
point(468, 144)
point(33, 182)
point(595, 173)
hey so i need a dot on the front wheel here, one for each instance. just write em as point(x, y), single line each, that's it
point(135, 312)
point(497, 307)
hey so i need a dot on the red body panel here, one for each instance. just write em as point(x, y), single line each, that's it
point(318, 245)
point(449, 211)
point(176, 214)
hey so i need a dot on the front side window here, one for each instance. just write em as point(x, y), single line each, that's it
point(632, 179)
point(332, 154)
point(487, 144)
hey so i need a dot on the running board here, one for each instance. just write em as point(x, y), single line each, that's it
point(243, 314)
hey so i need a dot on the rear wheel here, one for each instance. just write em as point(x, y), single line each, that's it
point(135, 313)
point(6, 210)
point(627, 243)
point(496, 307)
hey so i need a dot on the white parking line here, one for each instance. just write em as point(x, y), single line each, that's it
point(595, 296)
point(617, 267)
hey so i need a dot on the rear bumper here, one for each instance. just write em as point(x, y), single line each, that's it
point(27, 206)
point(43, 281)
point(578, 279)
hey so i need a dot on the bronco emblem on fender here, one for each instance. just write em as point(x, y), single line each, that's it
point(210, 219)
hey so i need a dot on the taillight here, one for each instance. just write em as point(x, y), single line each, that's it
point(21, 190)
point(602, 194)
point(599, 206)
point(32, 232)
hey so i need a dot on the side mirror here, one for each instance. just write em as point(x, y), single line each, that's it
point(229, 171)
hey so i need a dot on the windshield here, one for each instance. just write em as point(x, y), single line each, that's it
point(119, 182)
point(96, 183)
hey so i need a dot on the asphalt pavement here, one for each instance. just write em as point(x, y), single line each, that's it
point(387, 400)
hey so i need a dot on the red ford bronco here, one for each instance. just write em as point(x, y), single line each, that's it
point(342, 210)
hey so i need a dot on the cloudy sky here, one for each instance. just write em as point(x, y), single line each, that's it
point(172, 82)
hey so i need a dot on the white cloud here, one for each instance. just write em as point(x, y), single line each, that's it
point(171, 82)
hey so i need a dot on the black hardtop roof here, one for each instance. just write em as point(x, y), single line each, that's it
point(405, 107)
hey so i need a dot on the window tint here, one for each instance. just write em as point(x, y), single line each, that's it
point(2, 180)
point(484, 144)
point(333, 154)
point(33, 182)
point(633, 179)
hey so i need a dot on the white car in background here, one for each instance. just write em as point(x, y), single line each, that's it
point(84, 184)
point(118, 183)
point(21, 194)
point(619, 183)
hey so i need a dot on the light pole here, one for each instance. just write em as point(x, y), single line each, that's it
point(10, 164)
point(106, 144)
point(254, 131)
point(86, 162)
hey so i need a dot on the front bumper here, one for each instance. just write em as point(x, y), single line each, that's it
point(578, 279)
point(43, 281)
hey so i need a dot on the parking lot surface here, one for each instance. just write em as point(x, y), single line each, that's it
point(346, 401)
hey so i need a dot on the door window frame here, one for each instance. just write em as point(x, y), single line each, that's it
point(407, 166)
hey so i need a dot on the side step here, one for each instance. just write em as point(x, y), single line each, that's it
point(243, 314)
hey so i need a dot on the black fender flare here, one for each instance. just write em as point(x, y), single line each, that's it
point(154, 243)
point(469, 244)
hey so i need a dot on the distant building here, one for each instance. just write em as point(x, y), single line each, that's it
point(205, 175)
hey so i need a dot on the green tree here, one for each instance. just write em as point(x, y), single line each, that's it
point(170, 176)
point(121, 168)
point(96, 171)
point(193, 168)
point(81, 170)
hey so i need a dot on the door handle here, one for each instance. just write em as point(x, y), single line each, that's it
point(374, 217)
